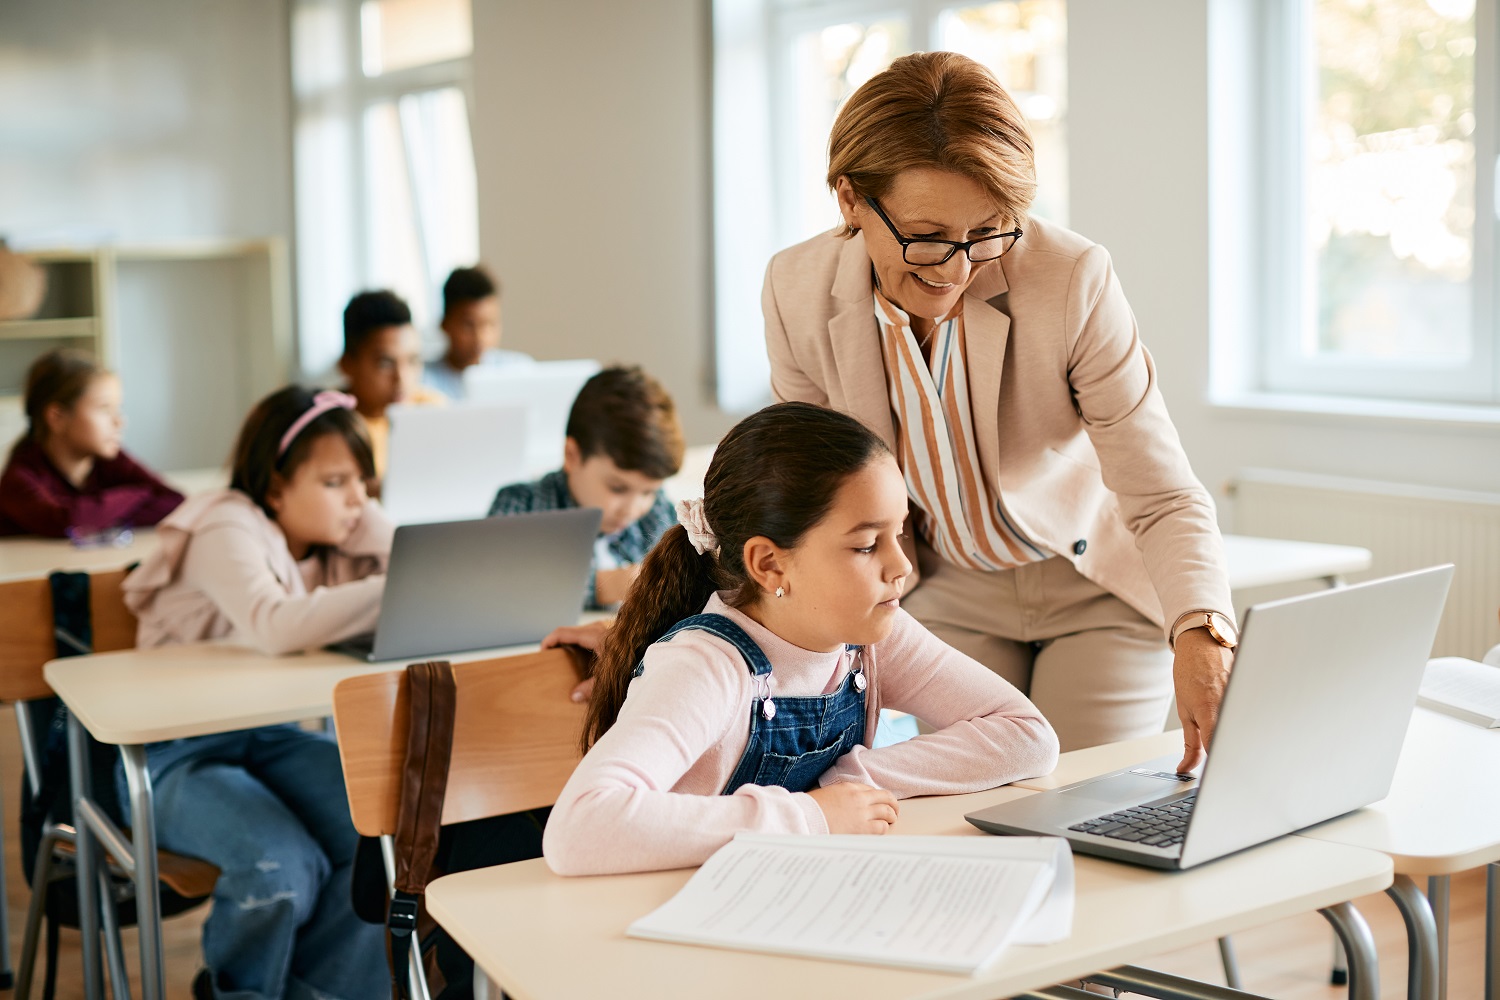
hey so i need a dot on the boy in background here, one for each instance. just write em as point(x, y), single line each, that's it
point(623, 441)
point(383, 364)
point(471, 324)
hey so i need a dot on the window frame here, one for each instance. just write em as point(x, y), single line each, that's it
point(1287, 268)
point(349, 99)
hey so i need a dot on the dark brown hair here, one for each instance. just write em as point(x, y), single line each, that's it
point(935, 109)
point(371, 311)
point(58, 378)
point(626, 414)
point(255, 461)
point(774, 475)
point(468, 284)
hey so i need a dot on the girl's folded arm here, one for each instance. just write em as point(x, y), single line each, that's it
point(227, 564)
point(987, 732)
point(618, 812)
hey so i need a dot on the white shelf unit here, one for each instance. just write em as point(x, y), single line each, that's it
point(197, 331)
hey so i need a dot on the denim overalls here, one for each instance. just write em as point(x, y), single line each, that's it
point(792, 740)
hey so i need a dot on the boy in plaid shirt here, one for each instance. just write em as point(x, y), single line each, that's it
point(623, 441)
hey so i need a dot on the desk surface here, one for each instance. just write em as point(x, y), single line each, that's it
point(1266, 562)
point(25, 557)
point(540, 936)
point(1443, 812)
point(143, 695)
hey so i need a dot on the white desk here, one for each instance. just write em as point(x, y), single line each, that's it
point(25, 557)
point(539, 935)
point(139, 696)
point(1267, 562)
point(1442, 816)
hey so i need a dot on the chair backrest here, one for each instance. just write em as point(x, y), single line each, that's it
point(515, 738)
point(26, 639)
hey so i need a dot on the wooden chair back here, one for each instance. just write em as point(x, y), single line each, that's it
point(26, 639)
point(515, 738)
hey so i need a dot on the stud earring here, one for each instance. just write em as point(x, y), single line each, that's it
point(780, 591)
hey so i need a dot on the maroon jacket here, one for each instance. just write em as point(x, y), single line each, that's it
point(35, 499)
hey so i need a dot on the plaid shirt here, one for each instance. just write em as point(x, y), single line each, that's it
point(629, 545)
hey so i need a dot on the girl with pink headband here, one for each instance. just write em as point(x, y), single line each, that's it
point(290, 557)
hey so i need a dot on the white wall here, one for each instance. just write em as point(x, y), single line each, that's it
point(1139, 148)
point(148, 122)
point(145, 121)
point(591, 138)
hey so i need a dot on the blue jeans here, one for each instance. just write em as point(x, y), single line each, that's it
point(268, 807)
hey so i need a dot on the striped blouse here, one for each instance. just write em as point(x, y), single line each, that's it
point(958, 514)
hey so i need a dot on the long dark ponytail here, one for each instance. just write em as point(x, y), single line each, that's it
point(775, 475)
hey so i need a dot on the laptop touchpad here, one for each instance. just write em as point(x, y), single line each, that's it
point(1121, 790)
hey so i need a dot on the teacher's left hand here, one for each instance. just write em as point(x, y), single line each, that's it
point(1200, 672)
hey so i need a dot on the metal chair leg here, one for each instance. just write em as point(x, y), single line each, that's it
point(114, 948)
point(35, 911)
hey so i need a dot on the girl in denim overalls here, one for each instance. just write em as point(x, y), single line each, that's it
point(740, 685)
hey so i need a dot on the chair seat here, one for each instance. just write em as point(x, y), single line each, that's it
point(192, 878)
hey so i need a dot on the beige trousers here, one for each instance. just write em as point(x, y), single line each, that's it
point(1099, 670)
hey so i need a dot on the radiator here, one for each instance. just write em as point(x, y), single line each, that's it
point(1405, 527)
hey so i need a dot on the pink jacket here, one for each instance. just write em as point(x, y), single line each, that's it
point(223, 571)
point(646, 796)
point(1071, 428)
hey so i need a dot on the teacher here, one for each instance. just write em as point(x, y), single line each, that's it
point(1056, 526)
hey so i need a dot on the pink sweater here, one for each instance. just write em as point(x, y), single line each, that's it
point(646, 796)
point(223, 571)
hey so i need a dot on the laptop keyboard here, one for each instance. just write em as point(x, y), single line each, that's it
point(1156, 824)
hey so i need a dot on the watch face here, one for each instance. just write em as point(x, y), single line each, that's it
point(1222, 630)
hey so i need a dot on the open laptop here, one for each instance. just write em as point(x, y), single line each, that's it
point(546, 390)
point(466, 585)
point(1310, 728)
point(447, 462)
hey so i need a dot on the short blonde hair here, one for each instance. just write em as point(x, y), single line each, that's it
point(935, 109)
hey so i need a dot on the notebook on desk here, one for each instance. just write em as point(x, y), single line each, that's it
point(546, 391)
point(1310, 728)
point(465, 585)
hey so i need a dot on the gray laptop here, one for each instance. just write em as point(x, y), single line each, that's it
point(466, 585)
point(1311, 727)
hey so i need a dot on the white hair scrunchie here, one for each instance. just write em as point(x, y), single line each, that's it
point(690, 516)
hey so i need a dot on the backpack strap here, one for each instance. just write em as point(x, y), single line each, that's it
point(419, 814)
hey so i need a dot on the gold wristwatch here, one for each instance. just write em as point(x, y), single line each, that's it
point(1219, 626)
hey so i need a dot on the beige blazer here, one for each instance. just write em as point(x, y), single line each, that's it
point(1071, 428)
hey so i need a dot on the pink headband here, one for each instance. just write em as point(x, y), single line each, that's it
point(328, 399)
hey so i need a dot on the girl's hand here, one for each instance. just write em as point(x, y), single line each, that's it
point(590, 636)
point(850, 807)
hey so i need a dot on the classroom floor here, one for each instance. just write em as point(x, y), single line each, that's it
point(1289, 959)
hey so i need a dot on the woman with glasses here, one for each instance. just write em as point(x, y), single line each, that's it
point(1059, 532)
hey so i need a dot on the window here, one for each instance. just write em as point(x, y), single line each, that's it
point(783, 69)
point(1382, 246)
point(385, 185)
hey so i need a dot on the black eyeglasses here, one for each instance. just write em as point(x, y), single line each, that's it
point(927, 252)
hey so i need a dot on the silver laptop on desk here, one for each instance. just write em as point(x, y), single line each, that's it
point(466, 585)
point(1311, 727)
point(447, 462)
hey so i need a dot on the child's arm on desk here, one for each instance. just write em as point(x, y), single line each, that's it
point(620, 811)
point(988, 733)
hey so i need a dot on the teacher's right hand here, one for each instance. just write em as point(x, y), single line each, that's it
point(850, 807)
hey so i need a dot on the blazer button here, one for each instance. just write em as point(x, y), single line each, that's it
point(1079, 546)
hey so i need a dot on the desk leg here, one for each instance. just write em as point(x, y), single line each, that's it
point(147, 889)
point(1438, 895)
point(88, 888)
point(1421, 939)
point(1359, 945)
point(1491, 928)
